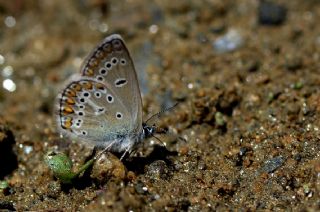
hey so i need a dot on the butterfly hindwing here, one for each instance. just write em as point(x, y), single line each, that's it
point(90, 110)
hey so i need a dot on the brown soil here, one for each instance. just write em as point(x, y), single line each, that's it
point(249, 118)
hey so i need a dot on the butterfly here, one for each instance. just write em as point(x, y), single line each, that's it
point(104, 106)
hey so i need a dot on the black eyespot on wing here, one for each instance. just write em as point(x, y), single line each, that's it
point(103, 71)
point(119, 115)
point(108, 65)
point(114, 61)
point(97, 94)
point(120, 82)
point(110, 98)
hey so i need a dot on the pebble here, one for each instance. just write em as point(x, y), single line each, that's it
point(54, 189)
point(108, 166)
point(4, 187)
point(219, 119)
point(157, 170)
point(273, 164)
point(140, 188)
point(293, 62)
point(229, 42)
point(7, 205)
point(270, 13)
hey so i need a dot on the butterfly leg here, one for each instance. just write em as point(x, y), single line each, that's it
point(104, 150)
point(125, 152)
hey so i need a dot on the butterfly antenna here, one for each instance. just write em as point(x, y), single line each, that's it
point(161, 111)
point(164, 131)
point(163, 144)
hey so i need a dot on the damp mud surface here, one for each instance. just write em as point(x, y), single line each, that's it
point(244, 136)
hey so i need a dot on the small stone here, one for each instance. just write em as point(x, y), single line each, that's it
point(7, 205)
point(108, 166)
point(243, 151)
point(140, 188)
point(157, 170)
point(297, 85)
point(131, 176)
point(251, 65)
point(270, 13)
point(4, 187)
point(219, 119)
point(229, 42)
point(273, 164)
point(293, 62)
point(54, 189)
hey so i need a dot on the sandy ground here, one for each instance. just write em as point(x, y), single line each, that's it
point(248, 116)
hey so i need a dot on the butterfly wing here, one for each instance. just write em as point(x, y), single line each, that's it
point(110, 63)
point(91, 111)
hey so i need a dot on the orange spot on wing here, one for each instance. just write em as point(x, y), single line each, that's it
point(70, 93)
point(93, 62)
point(77, 87)
point(100, 86)
point(88, 85)
point(70, 101)
point(107, 48)
point(68, 123)
point(100, 54)
point(67, 110)
point(89, 72)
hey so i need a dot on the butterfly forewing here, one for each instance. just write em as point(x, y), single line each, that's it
point(110, 63)
point(91, 111)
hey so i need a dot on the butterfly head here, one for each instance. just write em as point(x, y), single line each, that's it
point(148, 130)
